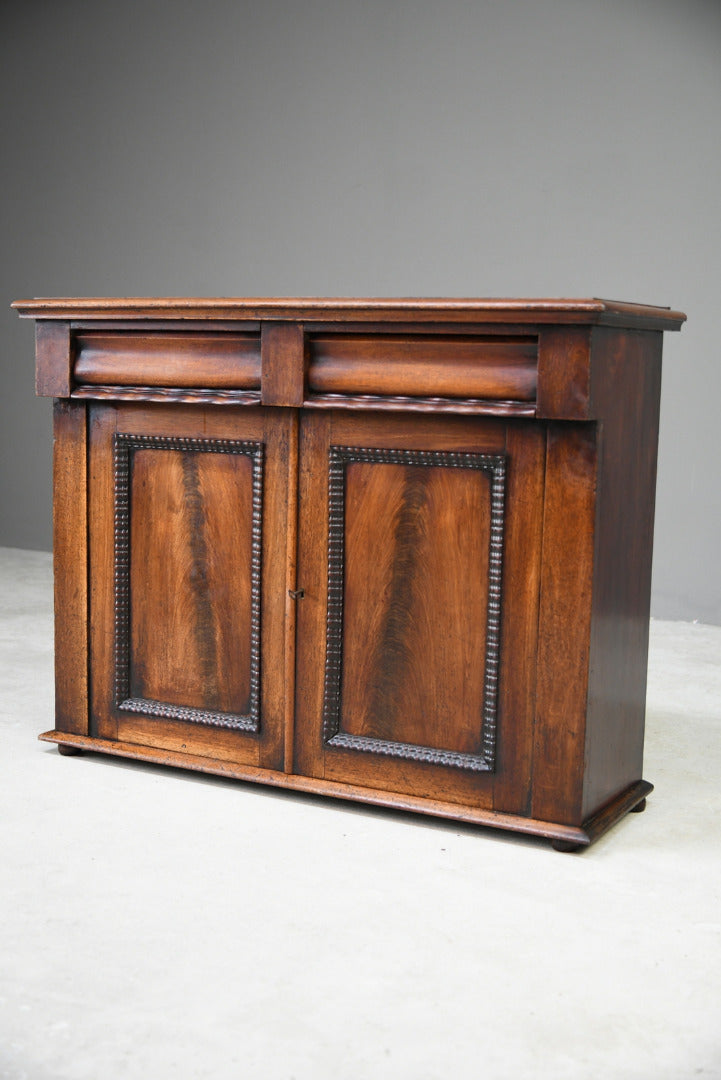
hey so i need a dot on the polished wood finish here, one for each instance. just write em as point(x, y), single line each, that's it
point(424, 366)
point(575, 837)
point(68, 750)
point(166, 394)
point(396, 551)
point(435, 406)
point(410, 309)
point(190, 359)
point(413, 654)
point(288, 453)
point(564, 361)
point(420, 646)
point(176, 632)
point(564, 620)
point(70, 557)
point(191, 576)
point(284, 364)
point(626, 391)
point(53, 359)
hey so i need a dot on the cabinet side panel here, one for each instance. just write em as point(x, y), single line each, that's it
point(564, 622)
point(70, 558)
point(626, 392)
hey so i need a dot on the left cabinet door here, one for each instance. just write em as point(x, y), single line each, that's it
point(187, 519)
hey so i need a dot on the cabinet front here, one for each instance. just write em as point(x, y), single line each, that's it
point(188, 578)
point(403, 594)
point(418, 556)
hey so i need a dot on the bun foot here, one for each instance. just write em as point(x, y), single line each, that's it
point(68, 751)
point(565, 845)
point(639, 807)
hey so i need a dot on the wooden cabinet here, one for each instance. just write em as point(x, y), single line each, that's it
point(391, 551)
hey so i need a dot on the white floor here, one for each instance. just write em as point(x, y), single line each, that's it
point(160, 924)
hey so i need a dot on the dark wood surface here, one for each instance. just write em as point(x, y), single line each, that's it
point(165, 394)
point(70, 563)
point(415, 603)
point(421, 616)
point(341, 309)
point(53, 359)
point(424, 365)
point(626, 391)
point(190, 639)
point(566, 599)
point(192, 359)
point(283, 364)
point(564, 375)
point(525, 446)
point(396, 551)
point(415, 404)
point(565, 837)
point(191, 577)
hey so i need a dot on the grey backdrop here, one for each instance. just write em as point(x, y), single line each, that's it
point(373, 147)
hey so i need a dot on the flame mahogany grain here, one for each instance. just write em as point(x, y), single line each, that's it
point(394, 551)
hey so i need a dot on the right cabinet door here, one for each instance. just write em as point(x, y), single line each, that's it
point(419, 557)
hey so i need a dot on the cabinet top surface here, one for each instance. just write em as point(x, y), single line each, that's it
point(346, 309)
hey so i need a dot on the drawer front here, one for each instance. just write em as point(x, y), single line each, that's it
point(204, 360)
point(495, 368)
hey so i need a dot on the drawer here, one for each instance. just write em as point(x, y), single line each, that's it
point(209, 360)
point(492, 367)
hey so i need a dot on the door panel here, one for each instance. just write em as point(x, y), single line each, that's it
point(402, 571)
point(411, 590)
point(183, 548)
point(192, 616)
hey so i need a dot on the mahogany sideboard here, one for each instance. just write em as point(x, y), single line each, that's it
point(395, 551)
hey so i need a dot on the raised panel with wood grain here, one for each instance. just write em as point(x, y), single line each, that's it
point(414, 589)
point(406, 602)
point(187, 602)
point(188, 577)
point(395, 551)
